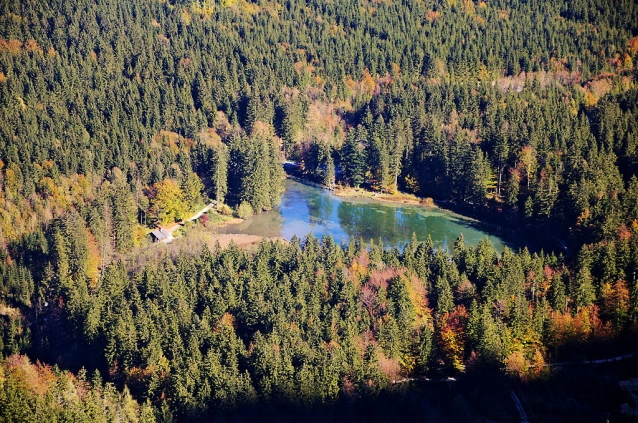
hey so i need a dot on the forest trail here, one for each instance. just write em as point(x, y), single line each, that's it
point(520, 408)
point(601, 361)
point(174, 226)
point(202, 211)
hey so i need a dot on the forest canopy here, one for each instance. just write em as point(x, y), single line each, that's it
point(116, 116)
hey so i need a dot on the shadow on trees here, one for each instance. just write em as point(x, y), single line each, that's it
point(570, 394)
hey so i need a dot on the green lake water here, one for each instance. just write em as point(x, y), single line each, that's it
point(305, 209)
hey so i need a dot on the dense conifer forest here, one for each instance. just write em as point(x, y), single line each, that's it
point(116, 116)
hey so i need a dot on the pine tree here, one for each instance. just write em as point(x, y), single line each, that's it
point(220, 172)
point(353, 160)
point(582, 289)
point(444, 296)
point(192, 190)
point(329, 174)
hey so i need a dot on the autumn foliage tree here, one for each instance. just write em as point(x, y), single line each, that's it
point(167, 203)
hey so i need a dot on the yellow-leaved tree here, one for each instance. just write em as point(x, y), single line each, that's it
point(168, 203)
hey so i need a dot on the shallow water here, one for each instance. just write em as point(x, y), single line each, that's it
point(305, 209)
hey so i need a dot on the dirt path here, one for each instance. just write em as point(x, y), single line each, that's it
point(202, 211)
point(169, 229)
point(520, 408)
point(601, 361)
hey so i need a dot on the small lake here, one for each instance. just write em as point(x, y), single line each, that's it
point(305, 209)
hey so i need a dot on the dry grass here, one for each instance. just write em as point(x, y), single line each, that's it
point(428, 202)
point(196, 236)
point(398, 198)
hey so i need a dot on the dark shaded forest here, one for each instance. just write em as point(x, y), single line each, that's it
point(119, 116)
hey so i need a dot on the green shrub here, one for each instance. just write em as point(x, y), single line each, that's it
point(244, 210)
point(225, 209)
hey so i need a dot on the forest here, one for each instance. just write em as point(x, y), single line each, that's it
point(119, 116)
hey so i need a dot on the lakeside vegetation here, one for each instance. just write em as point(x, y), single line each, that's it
point(118, 115)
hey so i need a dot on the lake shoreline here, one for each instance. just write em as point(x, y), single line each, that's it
point(400, 198)
point(467, 211)
point(490, 218)
point(310, 207)
point(231, 221)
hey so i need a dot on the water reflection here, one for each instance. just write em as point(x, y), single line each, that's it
point(320, 209)
point(306, 209)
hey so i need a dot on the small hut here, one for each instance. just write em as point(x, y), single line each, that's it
point(160, 235)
